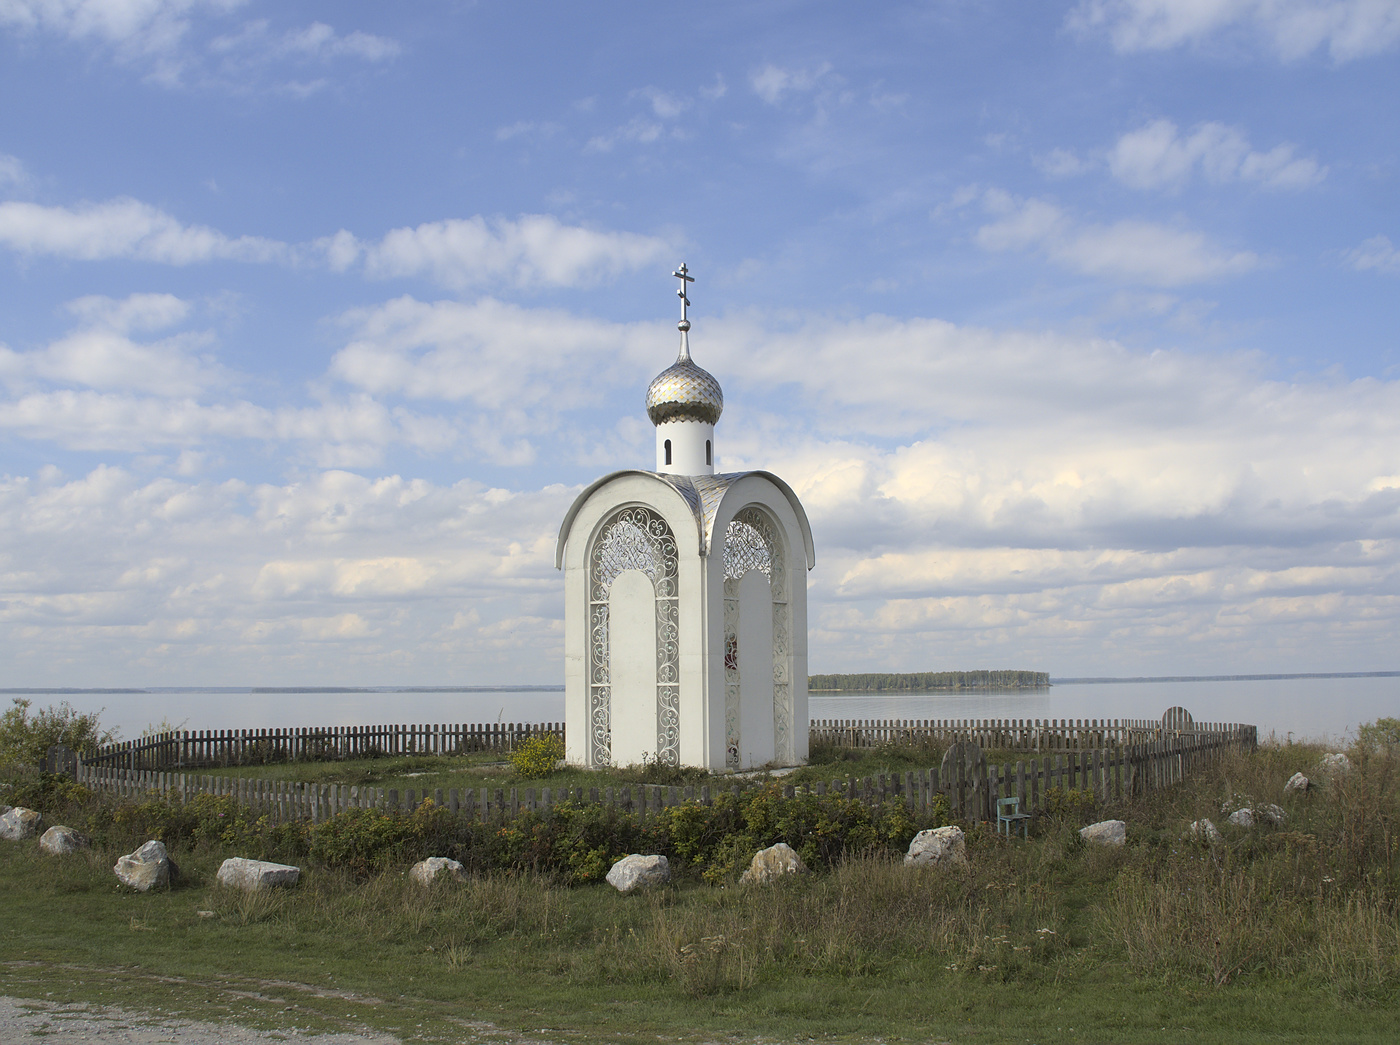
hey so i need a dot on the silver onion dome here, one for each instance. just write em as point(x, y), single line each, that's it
point(684, 392)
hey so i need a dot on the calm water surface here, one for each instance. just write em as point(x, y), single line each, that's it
point(1313, 708)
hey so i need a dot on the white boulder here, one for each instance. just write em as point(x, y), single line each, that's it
point(60, 840)
point(1242, 818)
point(239, 873)
point(1203, 831)
point(937, 847)
point(146, 869)
point(1297, 782)
point(772, 863)
point(639, 872)
point(1336, 762)
point(1105, 832)
point(426, 872)
point(18, 823)
point(1271, 814)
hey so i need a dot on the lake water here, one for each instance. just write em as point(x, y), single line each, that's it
point(1309, 707)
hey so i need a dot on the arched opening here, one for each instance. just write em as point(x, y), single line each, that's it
point(709, 455)
point(633, 657)
point(668, 451)
point(758, 708)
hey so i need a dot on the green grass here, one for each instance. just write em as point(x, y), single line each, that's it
point(1275, 935)
point(427, 773)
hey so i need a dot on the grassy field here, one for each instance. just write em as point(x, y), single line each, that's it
point(1276, 934)
point(426, 773)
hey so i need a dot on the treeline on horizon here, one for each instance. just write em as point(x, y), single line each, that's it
point(921, 681)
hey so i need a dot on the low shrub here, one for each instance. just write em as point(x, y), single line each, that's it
point(1068, 803)
point(25, 738)
point(538, 756)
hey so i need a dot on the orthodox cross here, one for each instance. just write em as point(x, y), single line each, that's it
point(681, 274)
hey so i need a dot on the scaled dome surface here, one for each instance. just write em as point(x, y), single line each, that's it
point(684, 392)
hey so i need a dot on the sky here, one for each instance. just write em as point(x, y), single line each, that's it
point(1073, 324)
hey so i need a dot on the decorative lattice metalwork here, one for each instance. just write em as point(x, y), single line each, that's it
point(746, 548)
point(634, 538)
point(752, 542)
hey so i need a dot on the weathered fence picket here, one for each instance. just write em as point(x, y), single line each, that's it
point(236, 747)
point(1151, 761)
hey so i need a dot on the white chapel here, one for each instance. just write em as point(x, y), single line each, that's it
point(685, 619)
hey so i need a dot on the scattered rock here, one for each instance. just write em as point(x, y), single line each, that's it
point(61, 840)
point(1337, 762)
point(1236, 801)
point(1203, 831)
point(146, 869)
point(937, 847)
point(425, 872)
point(205, 914)
point(639, 872)
point(773, 862)
point(1242, 818)
point(1297, 782)
point(1271, 814)
point(1105, 832)
point(18, 823)
point(239, 873)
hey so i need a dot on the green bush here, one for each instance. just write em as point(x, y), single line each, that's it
point(25, 738)
point(537, 757)
point(1384, 732)
point(1068, 803)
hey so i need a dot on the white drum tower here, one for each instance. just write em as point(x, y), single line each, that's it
point(685, 619)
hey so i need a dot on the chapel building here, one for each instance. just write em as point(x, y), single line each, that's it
point(685, 620)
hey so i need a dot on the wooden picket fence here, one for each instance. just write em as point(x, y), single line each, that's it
point(971, 793)
point(185, 749)
point(240, 747)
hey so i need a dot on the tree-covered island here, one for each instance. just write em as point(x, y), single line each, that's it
point(927, 681)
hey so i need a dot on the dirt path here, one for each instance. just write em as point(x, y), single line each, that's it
point(22, 1020)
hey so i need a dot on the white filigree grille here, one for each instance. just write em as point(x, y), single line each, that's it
point(752, 542)
point(634, 538)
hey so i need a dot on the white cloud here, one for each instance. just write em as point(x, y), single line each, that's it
point(257, 43)
point(716, 90)
point(320, 41)
point(136, 312)
point(333, 573)
point(1065, 500)
point(1376, 253)
point(1348, 29)
point(100, 355)
point(1061, 163)
point(141, 25)
point(124, 228)
point(1158, 156)
point(527, 128)
point(638, 129)
point(164, 37)
point(664, 104)
point(12, 173)
point(492, 354)
point(533, 251)
point(1130, 250)
point(773, 82)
